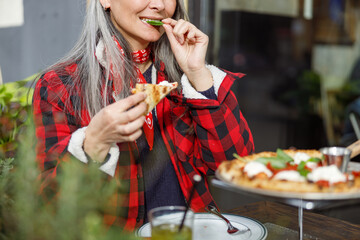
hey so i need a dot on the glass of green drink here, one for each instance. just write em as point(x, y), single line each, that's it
point(165, 223)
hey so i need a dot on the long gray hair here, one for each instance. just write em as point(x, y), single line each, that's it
point(90, 76)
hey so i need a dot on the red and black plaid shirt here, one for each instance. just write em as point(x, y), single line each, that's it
point(219, 131)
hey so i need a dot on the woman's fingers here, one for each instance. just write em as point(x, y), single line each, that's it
point(119, 122)
point(191, 37)
point(129, 122)
point(180, 30)
point(125, 110)
point(183, 31)
point(169, 32)
point(132, 114)
point(129, 102)
point(130, 127)
point(123, 117)
point(177, 29)
point(169, 21)
point(132, 137)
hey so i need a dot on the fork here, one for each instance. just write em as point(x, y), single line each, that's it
point(213, 210)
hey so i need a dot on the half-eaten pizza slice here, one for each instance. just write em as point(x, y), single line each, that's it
point(155, 92)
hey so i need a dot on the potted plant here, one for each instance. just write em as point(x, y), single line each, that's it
point(15, 105)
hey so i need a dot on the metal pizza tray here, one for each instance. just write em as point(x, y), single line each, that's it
point(309, 201)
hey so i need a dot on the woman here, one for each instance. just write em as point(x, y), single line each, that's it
point(83, 107)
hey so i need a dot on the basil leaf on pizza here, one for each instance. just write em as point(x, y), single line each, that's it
point(275, 162)
point(282, 155)
point(279, 161)
point(314, 159)
point(301, 168)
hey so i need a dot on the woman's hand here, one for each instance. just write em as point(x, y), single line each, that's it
point(118, 122)
point(189, 46)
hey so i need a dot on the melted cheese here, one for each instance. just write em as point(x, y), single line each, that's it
point(254, 168)
point(300, 157)
point(165, 83)
point(312, 165)
point(303, 157)
point(328, 173)
point(290, 175)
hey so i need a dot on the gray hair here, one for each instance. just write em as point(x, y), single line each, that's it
point(90, 76)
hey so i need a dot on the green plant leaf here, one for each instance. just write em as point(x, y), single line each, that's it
point(17, 92)
point(5, 166)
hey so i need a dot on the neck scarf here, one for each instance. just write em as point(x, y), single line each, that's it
point(140, 57)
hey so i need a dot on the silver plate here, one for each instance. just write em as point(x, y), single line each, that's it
point(305, 200)
point(210, 227)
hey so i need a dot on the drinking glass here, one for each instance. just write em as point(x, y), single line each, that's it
point(165, 223)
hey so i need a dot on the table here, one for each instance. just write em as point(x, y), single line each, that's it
point(282, 222)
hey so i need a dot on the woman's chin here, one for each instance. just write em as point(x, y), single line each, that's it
point(153, 38)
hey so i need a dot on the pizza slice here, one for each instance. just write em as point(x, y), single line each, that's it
point(155, 92)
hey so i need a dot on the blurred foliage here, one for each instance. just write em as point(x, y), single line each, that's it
point(345, 100)
point(75, 212)
point(348, 93)
point(305, 95)
point(82, 191)
point(15, 105)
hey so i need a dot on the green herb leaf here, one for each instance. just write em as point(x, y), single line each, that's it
point(278, 162)
point(301, 166)
point(235, 155)
point(282, 155)
point(304, 172)
point(314, 159)
point(155, 22)
point(274, 162)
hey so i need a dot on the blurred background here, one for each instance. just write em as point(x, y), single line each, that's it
point(301, 59)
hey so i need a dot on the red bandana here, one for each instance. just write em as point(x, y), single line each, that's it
point(139, 57)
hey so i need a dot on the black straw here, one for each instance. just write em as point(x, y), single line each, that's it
point(197, 179)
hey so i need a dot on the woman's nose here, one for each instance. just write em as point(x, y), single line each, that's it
point(157, 4)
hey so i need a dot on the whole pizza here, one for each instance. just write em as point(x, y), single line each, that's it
point(299, 171)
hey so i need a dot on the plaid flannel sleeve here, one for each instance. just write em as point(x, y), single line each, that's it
point(53, 125)
point(220, 127)
point(60, 132)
